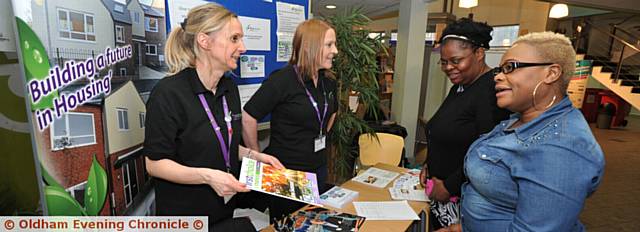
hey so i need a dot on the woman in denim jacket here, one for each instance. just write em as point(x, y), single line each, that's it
point(533, 171)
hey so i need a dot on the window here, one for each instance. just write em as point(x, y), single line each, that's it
point(151, 24)
point(77, 192)
point(118, 8)
point(123, 119)
point(73, 130)
point(130, 181)
point(76, 25)
point(120, 34)
point(142, 114)
point(136, 17)
point(123, 71)
point(152, 49)
point(503, 36)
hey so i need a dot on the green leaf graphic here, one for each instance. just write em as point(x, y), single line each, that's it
point(60, 203)
point(36, 61)
point(48, 178)
point(96, 192)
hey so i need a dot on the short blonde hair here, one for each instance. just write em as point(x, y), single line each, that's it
point(553, 48)
point(307, 46)
point(181, 50)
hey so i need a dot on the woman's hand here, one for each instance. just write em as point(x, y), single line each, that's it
point(439, 192)
point(423, 175)
point(269, 159)
point(223, 183)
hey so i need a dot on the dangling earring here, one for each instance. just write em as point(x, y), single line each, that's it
point(535, 90)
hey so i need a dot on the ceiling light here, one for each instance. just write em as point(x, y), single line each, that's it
point(330, 6)
point(467, 3)
point(559, 11)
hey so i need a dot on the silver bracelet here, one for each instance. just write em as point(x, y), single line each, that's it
point(249, 155)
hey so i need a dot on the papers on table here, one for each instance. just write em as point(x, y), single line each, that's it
point(376, 177)
point(259, 219)
point(338, 196)
point(407, 187)
point(385, 210)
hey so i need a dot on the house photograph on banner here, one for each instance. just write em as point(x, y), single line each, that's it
point(79, 73)
point(89, 67)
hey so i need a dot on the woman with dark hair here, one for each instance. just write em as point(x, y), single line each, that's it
point(468, 111)
point(302, 101)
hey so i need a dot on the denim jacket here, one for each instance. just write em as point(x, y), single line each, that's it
point(532, 178)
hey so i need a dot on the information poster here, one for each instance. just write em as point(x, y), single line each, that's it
point(578, 83)
point(257, 33)
point(289, 17)
point(251, 66)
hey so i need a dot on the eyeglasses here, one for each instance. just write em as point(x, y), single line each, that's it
point(511, 66)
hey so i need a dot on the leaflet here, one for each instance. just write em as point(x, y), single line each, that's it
point(291, 184)
point(376, 177)
point(408, 187)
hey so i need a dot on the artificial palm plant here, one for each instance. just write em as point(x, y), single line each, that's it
point(356, 71)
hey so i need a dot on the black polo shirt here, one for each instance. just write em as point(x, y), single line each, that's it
point(294, 122)
point(177, 128)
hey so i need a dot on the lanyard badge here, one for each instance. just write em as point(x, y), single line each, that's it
point(224, 146)
point(321, 141)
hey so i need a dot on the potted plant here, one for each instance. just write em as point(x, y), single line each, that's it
point(356, 72)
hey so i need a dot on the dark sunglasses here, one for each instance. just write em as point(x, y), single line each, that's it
point(511, 66)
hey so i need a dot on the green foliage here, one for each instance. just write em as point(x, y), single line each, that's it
point(356, 70)
point(96, 192)
point(61, 203)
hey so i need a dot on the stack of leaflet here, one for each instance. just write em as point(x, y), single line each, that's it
point(337, 197)
point(314, 218)
point(408, 187)
point(376, 177)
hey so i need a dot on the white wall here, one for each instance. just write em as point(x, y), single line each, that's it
point(47, 27)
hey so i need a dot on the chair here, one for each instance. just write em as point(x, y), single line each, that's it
point(388, 150)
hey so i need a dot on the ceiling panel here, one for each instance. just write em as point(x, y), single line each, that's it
point(371, 8)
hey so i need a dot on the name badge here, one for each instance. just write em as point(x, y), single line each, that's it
point(320, 143)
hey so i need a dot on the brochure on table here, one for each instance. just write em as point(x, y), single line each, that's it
point(376, 177)
point(337, 197)
point(314, 218)
point(408, 187)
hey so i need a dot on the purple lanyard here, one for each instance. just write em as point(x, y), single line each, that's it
point(313, 102)
point(225, 147)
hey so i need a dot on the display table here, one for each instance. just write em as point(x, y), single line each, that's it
point(368, 193)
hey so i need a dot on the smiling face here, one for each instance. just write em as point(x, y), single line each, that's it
point(460, 62)
point(226, 45)
point(514, 91)
point(329, 50)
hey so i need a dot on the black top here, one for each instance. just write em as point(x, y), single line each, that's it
point(177, 128)
point(459, 121)
point(294, 122)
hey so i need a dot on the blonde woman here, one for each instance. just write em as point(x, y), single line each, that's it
point(193, 124)
point(534, 171)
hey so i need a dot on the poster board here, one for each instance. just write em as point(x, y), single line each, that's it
point(268, 27)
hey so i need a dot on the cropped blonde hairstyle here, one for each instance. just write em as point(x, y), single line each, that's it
point(307, 46)
point(181, 50)
point(553, 48)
